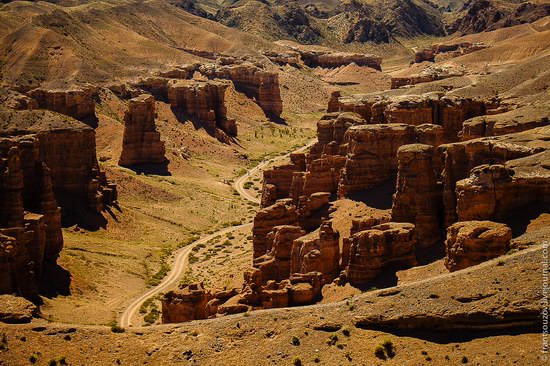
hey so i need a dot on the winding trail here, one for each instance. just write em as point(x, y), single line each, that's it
point(181, 256)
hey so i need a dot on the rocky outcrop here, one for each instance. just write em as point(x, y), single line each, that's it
point(203, 100)
point(449, 49)
point(193, 301)
point(16, 310)
point(281, 213)
point(493, 192)
point(427, 75)
point(317, 252)
point(331, 60)
point(372, 155)
point(253, 81)
point(418, 198)
point(277, 182)
point(460, 158)
point(518, 120)
point(448, 112)
point(78, 102)
point(276, 264)
point(372, 250)
point(472, 242)
point(141, 142)
point(291, 58)
point(30, 219)
point(186, 304)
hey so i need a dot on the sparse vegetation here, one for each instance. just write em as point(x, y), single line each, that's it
point(332, 339)
point(295, 341)
point(297, 361)
point(115, 328)
point(3, 342)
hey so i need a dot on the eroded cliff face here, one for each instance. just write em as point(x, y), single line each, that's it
point(371, 250)
point(44, 158)
point(75, 102)
point(445, 111)
point(418, 198)
point(253, 81)
point(30, 219)
point(141, 142)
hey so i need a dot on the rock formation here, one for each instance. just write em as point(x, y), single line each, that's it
point(193, 301)
point(448, 112)
point(317, 252)
point(275, 264)
point(492, 192)
point(261, 85)
point(372, 250)
point(281, 213)
point(331, 60)
point(76, 102)
point(472, 242)
point(418, 199)
point(450, 49)
point(517, 120)
point(141, 142)
point(203, 100)
point(432, 73)
point(30, 219)
point(460, 158)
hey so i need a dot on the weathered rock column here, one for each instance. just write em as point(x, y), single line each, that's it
point(141, 141)
point(417, 198)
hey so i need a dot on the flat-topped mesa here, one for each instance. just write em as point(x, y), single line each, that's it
point(141, 143)
point(450, 50)
point(448, 112)
point(76, 102)
point(291, 58)
point(331, 60)
point(30, 219)
point(374, 249)
point(516, 120)
point(68, 149)
point(205, 101)
point(427, 75)
point(473, 242)
point(418, 199)
point(372, 154)
point(260, 84)
point(461, 157)
point(486, 194)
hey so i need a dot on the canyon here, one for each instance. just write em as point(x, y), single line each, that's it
point(273, 182)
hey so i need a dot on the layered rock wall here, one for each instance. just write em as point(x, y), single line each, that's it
point(372, 250)
point(418, 198)
point(205, 101)
point(261, 85)
point(77, 103)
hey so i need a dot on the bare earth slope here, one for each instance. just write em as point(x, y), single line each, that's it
point(504, 298)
